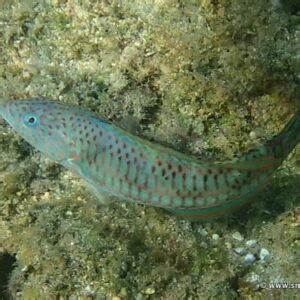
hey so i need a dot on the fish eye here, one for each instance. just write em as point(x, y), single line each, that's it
point(30, 120)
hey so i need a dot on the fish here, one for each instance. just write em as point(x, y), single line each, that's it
point(116, 163)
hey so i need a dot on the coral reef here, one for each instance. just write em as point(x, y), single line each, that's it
point(210, 78)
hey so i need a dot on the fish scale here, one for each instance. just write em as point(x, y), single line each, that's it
point(116, 163)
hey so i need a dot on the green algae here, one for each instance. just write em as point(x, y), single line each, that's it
point(206, 77)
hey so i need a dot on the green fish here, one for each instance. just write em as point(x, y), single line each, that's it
point(116, 163)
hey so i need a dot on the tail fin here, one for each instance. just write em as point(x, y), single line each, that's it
point(284, 142)
point(271, 154)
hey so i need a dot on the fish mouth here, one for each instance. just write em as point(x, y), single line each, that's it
point(4, 110)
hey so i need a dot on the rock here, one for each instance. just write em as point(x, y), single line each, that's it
point(215, 236)
point(237, 236)
point(264, 254)
point(250, 243)
point(149, 291)
point(249, 258)
point(240, 250)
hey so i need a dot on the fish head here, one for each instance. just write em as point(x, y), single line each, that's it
point(44, 124)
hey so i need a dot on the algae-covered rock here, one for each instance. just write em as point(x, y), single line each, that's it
point(206, 77)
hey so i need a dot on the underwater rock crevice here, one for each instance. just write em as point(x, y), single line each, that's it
point(7, 264)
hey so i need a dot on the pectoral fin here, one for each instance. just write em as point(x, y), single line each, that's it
point(102, 196)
